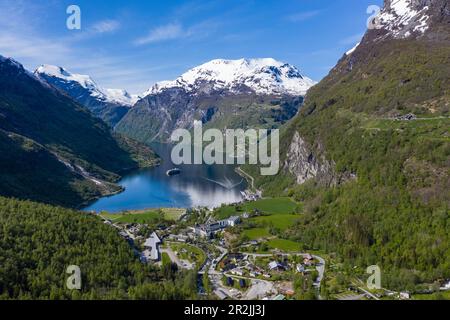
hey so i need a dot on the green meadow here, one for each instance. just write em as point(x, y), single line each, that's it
point(256, 233)
point(145, 216)
point(279, 213)
point(284, 245)
point(279, 221)
point(281, 205)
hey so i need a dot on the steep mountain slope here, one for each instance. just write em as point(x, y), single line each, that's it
point(52, 149)
point(222, 94)
point(369, 153)
point(110, 105)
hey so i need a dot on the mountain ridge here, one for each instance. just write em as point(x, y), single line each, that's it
point(262, 76)
point(110, 105)
point(222, 94)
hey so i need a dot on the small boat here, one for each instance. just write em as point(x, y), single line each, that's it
point(173, 172)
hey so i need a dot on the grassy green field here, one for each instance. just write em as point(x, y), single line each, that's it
point(144, 216)
point(279, 221)
point(189, 253)
point(272, 205)
point(282, 205)
point(256, 233)
point(284, 245)
point(165, 258)
point(277, 212)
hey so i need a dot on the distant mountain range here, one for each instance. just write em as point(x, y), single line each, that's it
point(222, 94)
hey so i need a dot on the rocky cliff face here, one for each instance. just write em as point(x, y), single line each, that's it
point(403, 19)
point(306, 164)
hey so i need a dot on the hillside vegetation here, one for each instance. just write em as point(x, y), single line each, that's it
point(395, 212)
point(38, 242)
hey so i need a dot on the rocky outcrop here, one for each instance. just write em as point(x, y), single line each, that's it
point(306, 164)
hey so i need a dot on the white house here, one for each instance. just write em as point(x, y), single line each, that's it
point(152, 244)
point(405, 295)
point(233, 221)
point(274, 265)
point(208, 230)
point(446, 287)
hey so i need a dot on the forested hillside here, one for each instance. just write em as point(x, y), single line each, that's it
point(374, 180)
point(38, 242)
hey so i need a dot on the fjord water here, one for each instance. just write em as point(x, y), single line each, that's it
point(197, 185)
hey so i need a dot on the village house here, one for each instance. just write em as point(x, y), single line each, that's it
point(276, 266)
point(151, 246)
point(405, 295)
point(237, 272)
point(208, 230)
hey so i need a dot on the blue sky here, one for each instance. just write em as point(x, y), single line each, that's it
point(133, 44)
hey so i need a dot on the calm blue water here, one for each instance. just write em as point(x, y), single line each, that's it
point(197, 185)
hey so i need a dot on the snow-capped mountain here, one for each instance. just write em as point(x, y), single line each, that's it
point(261, 76)
point(245, 93)
point(121, 96)
point(401, 19)
point(52, 150)
point(406, 19)
point(118, 96)
point(108, 104)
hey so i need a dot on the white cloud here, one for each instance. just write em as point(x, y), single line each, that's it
point(31, 48)
point(106, 26)
point(302, 16)
point(167, 32)
point(21, 39)
point(174, 31)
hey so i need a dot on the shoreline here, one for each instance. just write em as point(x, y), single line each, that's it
point(250, 180)
point(87, 203)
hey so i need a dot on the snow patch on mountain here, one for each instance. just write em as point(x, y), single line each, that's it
point(402, 18)
point(349, 52)
point(116, 96)
point(121, 96)
point(263, 76)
